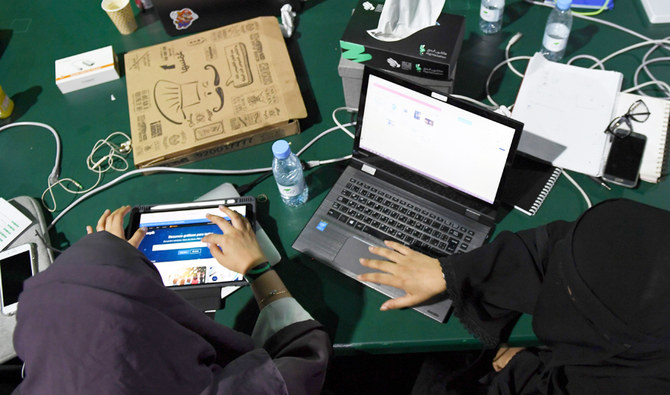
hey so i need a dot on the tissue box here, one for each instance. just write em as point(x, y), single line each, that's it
point(86, 69)
point(352, 80)
point(431, 52)
point(211, 93)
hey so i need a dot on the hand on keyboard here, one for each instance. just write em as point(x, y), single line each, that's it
point(419, 275)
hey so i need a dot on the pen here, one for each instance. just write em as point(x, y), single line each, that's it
point(601, 182)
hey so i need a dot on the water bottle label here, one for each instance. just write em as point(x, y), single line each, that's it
point(291, 190)
point(490, 14)
point(554, 44)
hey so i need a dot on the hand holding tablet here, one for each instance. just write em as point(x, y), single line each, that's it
point(237, 248)
point(174, 239)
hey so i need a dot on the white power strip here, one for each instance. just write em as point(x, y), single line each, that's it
point(658, 11)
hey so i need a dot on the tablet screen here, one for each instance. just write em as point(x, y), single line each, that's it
point(173, 244)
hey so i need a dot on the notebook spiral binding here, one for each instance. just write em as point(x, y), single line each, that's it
point(543, 193)
point(662, 162)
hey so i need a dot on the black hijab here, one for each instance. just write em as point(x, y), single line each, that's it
point(604, 308)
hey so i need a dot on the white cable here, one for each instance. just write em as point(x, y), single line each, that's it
point(646, 62)
point(661, 84)
point(338, 122)
point(315, 139)
point(97, 165)
point(642, 85)
point(579, 188)
point(595, 60)
point(55, 171)
point(314, 163)
point(631, 47)
point(664, 43)
point(157, 169)
point(162, 169)
point(499, 65)
point(511, 42)
point(114, 154)
point(588, 18)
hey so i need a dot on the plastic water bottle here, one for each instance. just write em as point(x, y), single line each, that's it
point(557, 31)
point(490, 16)
point(288, 174)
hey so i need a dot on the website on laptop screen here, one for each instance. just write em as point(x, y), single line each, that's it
point(440, 141)
point(173, 244)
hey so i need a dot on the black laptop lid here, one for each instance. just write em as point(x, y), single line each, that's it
point(191, 16)
point(458, 151)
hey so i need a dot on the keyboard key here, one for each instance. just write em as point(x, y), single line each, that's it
point(456, 233)
point(386, 216)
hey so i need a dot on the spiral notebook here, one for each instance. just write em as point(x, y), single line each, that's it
point(655, 156)
point(529, 183)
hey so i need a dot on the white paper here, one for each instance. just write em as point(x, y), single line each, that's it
point(401, 18)
point(12, 223)
point(565, 110)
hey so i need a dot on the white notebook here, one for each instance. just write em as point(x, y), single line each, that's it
point(565, 110)
point(656, 130)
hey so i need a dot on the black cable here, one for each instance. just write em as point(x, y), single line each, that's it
point(244, 189)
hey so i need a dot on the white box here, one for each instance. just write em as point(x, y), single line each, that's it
point(658, 11)
point(86, 69)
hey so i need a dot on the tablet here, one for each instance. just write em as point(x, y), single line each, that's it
point(173, 243)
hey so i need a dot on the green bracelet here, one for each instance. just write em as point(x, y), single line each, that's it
point(257, 271)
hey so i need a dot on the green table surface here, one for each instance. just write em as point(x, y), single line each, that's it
point(34, 34)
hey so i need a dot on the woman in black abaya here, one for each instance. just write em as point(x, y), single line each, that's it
point(598, 289)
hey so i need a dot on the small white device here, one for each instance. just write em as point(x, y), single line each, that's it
point(16, 265)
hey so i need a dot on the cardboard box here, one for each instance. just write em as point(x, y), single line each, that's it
point(86, 69)
point(210, 93)
point(352, 81)
point(431, 52)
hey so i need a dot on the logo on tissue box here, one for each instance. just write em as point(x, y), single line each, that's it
point(423, 51)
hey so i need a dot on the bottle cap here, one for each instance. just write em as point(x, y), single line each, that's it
point(563, 4)
point(281, 149)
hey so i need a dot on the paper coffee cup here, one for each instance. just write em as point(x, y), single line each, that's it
point(121, 14)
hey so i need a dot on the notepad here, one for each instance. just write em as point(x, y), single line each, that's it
point(529, 183)
point(655, 129)
point(12, 223)
point(565, 110)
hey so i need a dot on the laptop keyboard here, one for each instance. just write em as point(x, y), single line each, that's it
point(386, 216)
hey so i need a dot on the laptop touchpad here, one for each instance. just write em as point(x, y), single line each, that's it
point(352, 250)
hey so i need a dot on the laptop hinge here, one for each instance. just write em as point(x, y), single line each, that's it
point(368, 169)
point(472, 214)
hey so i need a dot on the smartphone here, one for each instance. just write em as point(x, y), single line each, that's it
point(172, 242)
point(16, 265)
point(623, 162)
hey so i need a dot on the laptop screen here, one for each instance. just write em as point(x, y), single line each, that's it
point(438, 140)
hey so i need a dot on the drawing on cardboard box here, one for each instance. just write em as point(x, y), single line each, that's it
point(211, 93)
point(194, 101)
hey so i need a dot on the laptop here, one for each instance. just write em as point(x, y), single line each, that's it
point(427, 170)
point(191, 16)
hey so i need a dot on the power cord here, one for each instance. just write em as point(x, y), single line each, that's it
point(579, 188)
point(159, 169)
point(55, 171)
point(663, 44)
point(97, 164)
